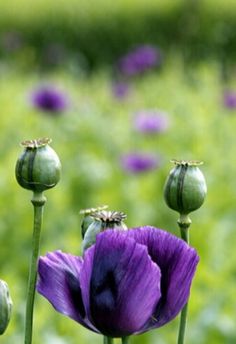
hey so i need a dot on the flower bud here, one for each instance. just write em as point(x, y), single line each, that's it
point(38, 167)
point(5, 306)
point(88, 218)
point(185, 188)
point(103, 220)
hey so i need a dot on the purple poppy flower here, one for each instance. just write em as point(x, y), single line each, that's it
point(230, 100)
point(151, 121)
point(49, 99)
point(140, 60)
point(120, 90)
point(127, 283)
point(139, 162)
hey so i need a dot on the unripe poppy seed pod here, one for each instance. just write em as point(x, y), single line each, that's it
point(89, 218)
point(5, 306)
point(185, 188)
point(38, 167)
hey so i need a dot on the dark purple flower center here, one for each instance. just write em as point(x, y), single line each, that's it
point(75, 292)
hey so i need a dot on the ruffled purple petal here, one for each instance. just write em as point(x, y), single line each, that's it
point(59, 283)
point(177, 262)
point(85, 276)
point(125, 285)
point(128, 282)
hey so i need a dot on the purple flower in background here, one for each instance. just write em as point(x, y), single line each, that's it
point(120, 89)
point(127, 283)
point(139, 60)
point(11, 41)
point(230, 100)
point(54, 54)
point(139, 162)
point(151, 121)
point(49, 99)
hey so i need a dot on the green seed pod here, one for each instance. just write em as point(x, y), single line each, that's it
point(38, 168)
point(185, 188)
point(103, 220)
point(5, 306)
point(90, 235)
point(88, 218)
point(86, 222)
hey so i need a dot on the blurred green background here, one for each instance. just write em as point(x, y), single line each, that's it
point(74, 45)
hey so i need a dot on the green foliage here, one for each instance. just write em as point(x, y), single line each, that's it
point(89, 139)
point(96, 35)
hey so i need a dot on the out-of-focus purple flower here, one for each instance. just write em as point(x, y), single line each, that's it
point(49, 99)
point(120, 89)
point(136, 162)
point(127, 283)
point(11, 41)
point(54, 54)
point(230, 100)
point(139, 60)
point(151, 121)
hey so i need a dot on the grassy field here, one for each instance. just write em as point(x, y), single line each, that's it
point(90, 137)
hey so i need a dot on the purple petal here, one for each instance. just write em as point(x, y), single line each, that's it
point(59, 282)
point(124, 289)
point(139, 162)
point(177, 262)
point(85, 276)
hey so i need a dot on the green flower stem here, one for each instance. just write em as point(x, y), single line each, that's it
point(184, 223)
point(38, 202)
point(107, 340)
point(182, 324)
point(125, 340)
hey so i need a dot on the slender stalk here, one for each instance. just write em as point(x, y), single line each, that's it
point(184, 223)
point(38, 202)
point(125, 340)
point(182, 324)
point(107, 340)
